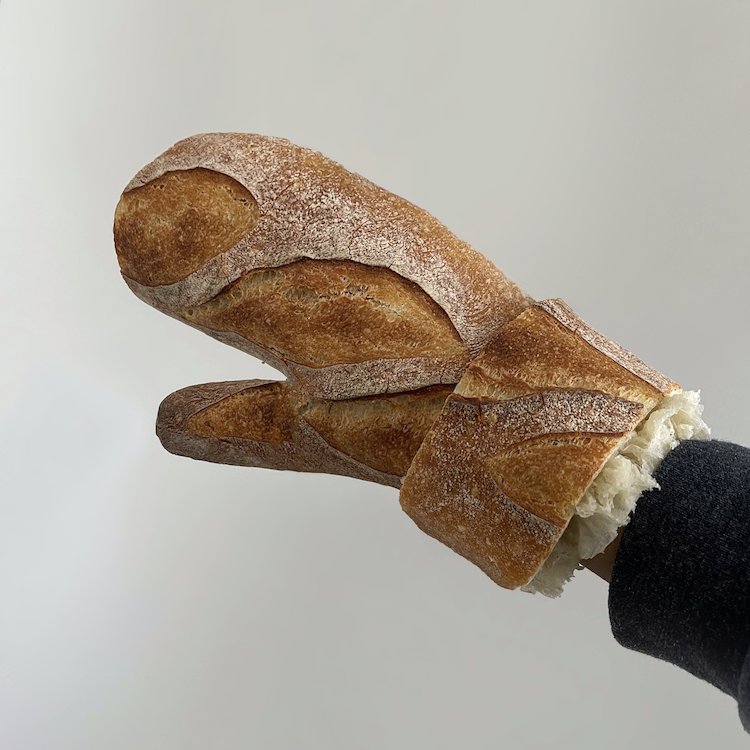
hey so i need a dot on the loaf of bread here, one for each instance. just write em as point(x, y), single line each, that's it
point(519, 436)
point(344, 287)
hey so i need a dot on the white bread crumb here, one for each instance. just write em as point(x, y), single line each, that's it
point(611, 497)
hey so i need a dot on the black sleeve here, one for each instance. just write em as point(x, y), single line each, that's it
point(680, 585)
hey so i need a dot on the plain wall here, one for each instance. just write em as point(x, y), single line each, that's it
point(597, 152)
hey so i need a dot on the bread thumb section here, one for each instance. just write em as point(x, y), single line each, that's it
point(547, 409)
point(275, 425)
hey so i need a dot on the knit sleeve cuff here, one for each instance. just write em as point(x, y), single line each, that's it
point(680, 585)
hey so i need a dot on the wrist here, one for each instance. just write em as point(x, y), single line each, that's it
point(602, 563)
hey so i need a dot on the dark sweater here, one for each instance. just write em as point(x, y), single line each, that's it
point(680, 585)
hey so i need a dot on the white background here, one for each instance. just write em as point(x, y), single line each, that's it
point(595, 151)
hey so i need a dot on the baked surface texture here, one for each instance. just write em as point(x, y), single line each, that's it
point(269, 424)
point(531, 423)
point(283, 253)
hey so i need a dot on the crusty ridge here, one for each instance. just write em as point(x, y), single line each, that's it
point(529, 426)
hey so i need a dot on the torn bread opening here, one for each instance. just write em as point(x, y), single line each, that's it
point(611, 497)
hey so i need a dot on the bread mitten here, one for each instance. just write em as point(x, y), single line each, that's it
point(521, 436)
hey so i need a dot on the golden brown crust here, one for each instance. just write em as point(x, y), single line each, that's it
point(527, 429)
point(273, 425)
point(310, 207)
point(226, 423)
point(565, 316)
point(265, 412)
point(357, 313)
point(208, 214)
point(542, 351)
point(383, 432)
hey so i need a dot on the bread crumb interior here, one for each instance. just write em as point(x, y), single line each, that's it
point(611, 497)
